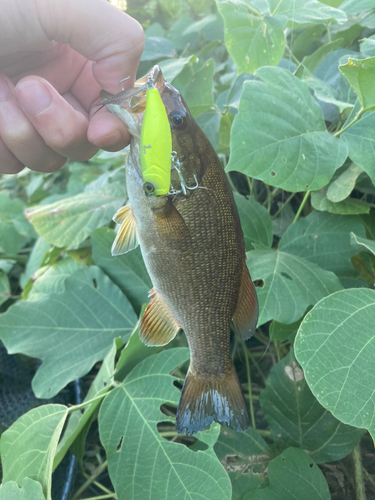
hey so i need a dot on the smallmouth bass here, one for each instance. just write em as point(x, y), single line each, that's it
point(192, 244)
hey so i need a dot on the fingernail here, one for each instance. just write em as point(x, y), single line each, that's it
point(33, 96)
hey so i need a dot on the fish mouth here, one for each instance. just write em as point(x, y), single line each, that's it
point(129, 104)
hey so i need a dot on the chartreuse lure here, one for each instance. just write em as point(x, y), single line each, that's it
point(155, 146)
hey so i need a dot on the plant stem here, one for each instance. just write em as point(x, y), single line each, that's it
point(85, 403)
point(101, 468)
point(307, 194)
point(283, 205)
point(18, 258)
point(102, 497)
point(355, 119)
point(255, 363)
point(358, 475)
point(251, 408)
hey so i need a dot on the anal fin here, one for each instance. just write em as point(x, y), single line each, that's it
point(127, 238)
point(246, 314)
point(158, 326)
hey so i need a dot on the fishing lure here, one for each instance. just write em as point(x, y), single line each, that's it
point(155, 146)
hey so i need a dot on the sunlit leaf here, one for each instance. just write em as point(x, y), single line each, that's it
point(27, 448)
point(279, 135)
point(306, 11)
point(128, 422)
point(353, 7)
point(288, 284)
point(68, 222)
point(362, 244)
point(157, 47)
point(349, 206)
point(323, 239)
point(293, 474)
point(69, 331)
point(31, 490)
point(335, 346)
point(343, 185)
point(251, 41)
point(361, 74)
point(297, 419)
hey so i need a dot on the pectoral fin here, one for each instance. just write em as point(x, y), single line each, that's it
point(127, 238)
point(158, 326)
point(246, 314)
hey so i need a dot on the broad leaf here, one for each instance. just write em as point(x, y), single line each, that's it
point(128, 422)
point(69, 331)
point(360, 139)
point(10, 210)
point(209, 122)
point(31, 490)
point(343, 185)
point(40, 248)
point(368, 46)
point(4, 287)
point(286, 144)
point(256, 223)
point(68, 222)
point(127, 271)
point(251, 41)
point(335, 346)
point(360, 73)
point(306, 11)
point(289, 284)
point(297, 419)
point(51, 279)
point(293, 474)
point(362, 244)
point(27, 448)
point(281, 331)
point(349, 206)
point(157, 47)
point(353, 7)
point(172, 68)
point(323, 239)
point(245, 457)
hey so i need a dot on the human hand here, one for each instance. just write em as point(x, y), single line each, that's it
point(54, 59)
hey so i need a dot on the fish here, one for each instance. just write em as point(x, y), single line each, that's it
point(192, 245)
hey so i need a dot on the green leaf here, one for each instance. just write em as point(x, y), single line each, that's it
point(251, 41)
point(157, 47)
point(128, 422)
point(349, 206)
point(312, 61)
point(4, 287)
point(306, 11)
point(177, 37)
point(79, 422)
point(360, 139)
point(195, 82)
point(256, 223)
point(362, 244)
point(127, 271)
point(245, 457)
point(52, 279)
point(289, 286)
point(10, 238)
point(69, 331)
point(367, 46)
point(209, 122)
point(360, 73)
point(173, 67)
point(36, 258)
point(27, 448)
point(343, 185)
point(293, 474)
point(297, 419)
point(335, 347)
point(353, 7)
point(31, 490)
point(280, 331)
point(323, 239)
point(68, 222)
point(279, 135)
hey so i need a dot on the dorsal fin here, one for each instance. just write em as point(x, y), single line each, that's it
point(158, 326)
point(127, 238)
point(246, 314)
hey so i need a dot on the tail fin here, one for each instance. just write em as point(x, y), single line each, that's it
point(203, 401)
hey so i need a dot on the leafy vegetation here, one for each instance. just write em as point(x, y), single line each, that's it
point(284, 90)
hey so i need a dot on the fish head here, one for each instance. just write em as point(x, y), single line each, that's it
point(130, 106)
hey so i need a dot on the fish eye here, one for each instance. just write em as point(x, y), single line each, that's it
point(148, 188)
point(178, 120)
